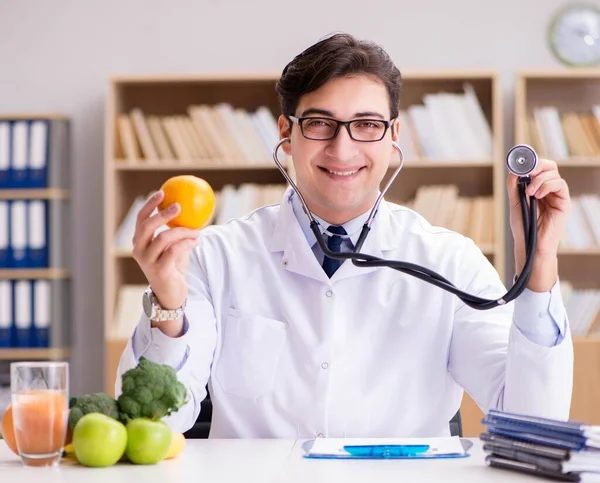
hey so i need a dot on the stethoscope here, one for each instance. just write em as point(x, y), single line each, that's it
point(521, 160)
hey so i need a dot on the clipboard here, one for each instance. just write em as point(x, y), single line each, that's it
point(386, 448)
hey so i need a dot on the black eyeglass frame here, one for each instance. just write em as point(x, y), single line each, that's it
point(300, 120)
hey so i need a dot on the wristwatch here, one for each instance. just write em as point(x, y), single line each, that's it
point(155, 312)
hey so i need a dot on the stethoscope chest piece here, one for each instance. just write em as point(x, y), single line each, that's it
point(521, 160)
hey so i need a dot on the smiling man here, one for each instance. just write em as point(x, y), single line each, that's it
point(293, 344)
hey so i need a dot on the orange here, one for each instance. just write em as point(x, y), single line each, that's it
point(195, 197)
point(8, 429)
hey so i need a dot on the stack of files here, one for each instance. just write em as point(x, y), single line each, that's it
point(556, 449)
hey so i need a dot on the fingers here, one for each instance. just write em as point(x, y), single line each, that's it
point(537, 182)
point(555, 186)
point(148, 208)
point(171, 254)
point(545, 170)
point(147, 227)
point(164, 241)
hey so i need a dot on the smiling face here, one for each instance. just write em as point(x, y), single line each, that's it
point(339, 178)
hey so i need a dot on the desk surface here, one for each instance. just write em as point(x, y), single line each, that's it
point(266, 461)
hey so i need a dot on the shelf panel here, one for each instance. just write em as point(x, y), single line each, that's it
point(578, 163)
point(174, 165)
point(33, 353)
point(579, 251)
point(34, 194)
point(34, 273)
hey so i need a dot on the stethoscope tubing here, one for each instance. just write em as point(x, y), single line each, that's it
point(420, 272)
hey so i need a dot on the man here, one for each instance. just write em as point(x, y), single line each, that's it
point(293, 346)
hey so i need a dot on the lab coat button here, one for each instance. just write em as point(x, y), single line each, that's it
point(324, 365)
point(284, 263)
point(542, 315)
point(329, 293)
point(320, 435)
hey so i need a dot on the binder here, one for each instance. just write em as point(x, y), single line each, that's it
point(22, 313)
point(37, 176)
point(37, 240)
point(41, 310)
point(19, 154)
point(5, 256)
point(561, 434)
point(18, 233)
point(519, 466)
point(5, 170)
point(6, 312)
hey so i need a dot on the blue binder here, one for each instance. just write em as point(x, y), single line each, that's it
point(5, 252)
point(6, 312)
point(5, 142)
point(38, 153)
point(37, 233)
point(19, 154)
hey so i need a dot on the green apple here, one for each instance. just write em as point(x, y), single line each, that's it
point(147, 441)
point(99, 440)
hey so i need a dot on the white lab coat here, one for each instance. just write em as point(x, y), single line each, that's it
point(289, 353)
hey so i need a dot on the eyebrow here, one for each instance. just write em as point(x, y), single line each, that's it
point(325, 112)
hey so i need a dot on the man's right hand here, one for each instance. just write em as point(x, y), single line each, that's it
point(163, 259)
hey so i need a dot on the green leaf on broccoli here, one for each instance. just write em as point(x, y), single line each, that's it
point(92, 403)
point(150, 390)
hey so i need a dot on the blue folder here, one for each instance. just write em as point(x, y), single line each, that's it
point(388, 451)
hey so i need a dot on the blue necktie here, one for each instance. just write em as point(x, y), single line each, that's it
point(330, 265)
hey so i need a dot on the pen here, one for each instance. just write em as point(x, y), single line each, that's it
point(386, 450)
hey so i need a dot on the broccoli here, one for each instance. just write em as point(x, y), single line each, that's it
point(92, 403)
point(150, 390)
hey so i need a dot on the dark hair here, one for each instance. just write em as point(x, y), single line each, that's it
point(339, 55)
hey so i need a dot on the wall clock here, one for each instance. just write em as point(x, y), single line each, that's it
point(574, 35)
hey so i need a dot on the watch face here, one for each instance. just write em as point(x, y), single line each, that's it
point(574, 35)
point(147, 304)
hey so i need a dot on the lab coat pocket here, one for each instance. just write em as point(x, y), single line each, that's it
point(250, 353)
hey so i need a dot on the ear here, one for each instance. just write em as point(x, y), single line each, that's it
point(395, 127)
point(284, 125)
point(395, 130)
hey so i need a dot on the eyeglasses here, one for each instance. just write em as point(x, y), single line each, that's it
point(324, 128)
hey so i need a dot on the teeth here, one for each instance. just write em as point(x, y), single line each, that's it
point(342, 173)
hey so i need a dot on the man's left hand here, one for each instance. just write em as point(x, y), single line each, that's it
point(554, 204)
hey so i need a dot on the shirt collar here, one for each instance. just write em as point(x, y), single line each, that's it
point(352, 227)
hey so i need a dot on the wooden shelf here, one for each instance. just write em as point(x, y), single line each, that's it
point(171, 95)
point(578, 163)
point(593, 251)
point(34, 194)
point(176, 165)
point(572, 91)
point(33, 354)
point(34, 273)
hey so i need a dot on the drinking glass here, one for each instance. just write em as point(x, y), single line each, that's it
point(40, 406)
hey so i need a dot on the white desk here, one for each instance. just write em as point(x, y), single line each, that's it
point(266, 461)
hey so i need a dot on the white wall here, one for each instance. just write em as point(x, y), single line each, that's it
point(56, 55)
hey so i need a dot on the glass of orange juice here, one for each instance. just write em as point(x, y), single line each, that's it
point(40, 405)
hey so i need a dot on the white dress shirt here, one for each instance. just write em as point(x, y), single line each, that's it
point(287, 352)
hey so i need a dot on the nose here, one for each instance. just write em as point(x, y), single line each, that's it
point(342, 146)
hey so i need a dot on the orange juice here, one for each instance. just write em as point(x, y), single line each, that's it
point(40, 424)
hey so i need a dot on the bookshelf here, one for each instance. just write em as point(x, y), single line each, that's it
point(470, 173)
point(558, 112)
point(35, 269)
